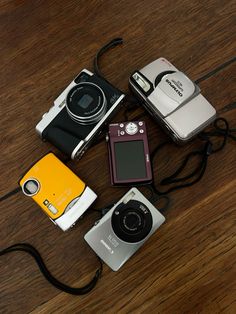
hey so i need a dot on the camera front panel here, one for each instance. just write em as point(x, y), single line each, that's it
point(52, 185)
point(72, 135)
point(138, 219)
point(62, 195)
point(172, 99)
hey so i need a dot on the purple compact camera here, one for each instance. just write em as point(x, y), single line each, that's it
point(129, 157)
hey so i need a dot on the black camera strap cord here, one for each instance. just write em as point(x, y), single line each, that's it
point(221, 130)
point(9, 194)
point(130, 100)
point(25, 247)
point(111, 44)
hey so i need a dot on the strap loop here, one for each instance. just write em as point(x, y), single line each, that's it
point(114, 42)
point(25, 247)
point(197, 173)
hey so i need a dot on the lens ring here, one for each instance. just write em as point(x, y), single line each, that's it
point(31, 187)
point(131, 222)
point(86, 96)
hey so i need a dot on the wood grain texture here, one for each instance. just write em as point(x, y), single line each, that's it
point(189, 265)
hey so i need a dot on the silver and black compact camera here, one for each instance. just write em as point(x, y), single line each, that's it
point(124, 229)
point(172, 99)
point(79, 113)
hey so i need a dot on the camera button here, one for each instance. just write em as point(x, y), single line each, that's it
point(131, 128)
point(122, 133)
point(121, 125)
point(141, 82)
point(52, 209)
point(141, 131)
point(140, 123)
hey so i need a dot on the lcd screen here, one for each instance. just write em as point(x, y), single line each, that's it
point(130, 160)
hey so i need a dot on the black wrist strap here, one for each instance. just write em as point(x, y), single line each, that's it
point(196, 173)
point(215, 70)
point(25, 247)
point(220, 129)
point(9, 194)
point(114, 42)
point(130, 100)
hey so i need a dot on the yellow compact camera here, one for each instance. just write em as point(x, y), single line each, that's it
point(57, 190)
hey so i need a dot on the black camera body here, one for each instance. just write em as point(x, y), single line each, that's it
point(79, 113)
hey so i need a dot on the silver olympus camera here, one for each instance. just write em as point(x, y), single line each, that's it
point(172, 99)
point(124, 229)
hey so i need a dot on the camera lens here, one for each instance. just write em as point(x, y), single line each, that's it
point(31, 187)
point(86, 103)
point(131, 222)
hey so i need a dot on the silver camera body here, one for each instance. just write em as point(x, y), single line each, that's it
point(172, 99)
point(124, 229)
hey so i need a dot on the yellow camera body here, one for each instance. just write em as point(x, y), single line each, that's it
point(57, 190)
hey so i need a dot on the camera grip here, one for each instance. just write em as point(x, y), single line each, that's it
point(63, 140)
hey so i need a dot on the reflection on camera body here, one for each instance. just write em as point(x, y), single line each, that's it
point(79, 113)
point(124, 229)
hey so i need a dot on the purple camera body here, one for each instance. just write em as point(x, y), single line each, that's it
point(129, 157)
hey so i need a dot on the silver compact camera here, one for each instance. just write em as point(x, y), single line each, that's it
point(124, 229)
point(79, 113)
point(172, 99)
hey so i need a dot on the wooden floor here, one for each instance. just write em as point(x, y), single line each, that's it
point(189, 264)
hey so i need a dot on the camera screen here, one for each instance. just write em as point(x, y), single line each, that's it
point(85, 101)
point(130, 160)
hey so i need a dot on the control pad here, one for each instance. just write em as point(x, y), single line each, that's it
point(131, 128)
point(126, 128)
